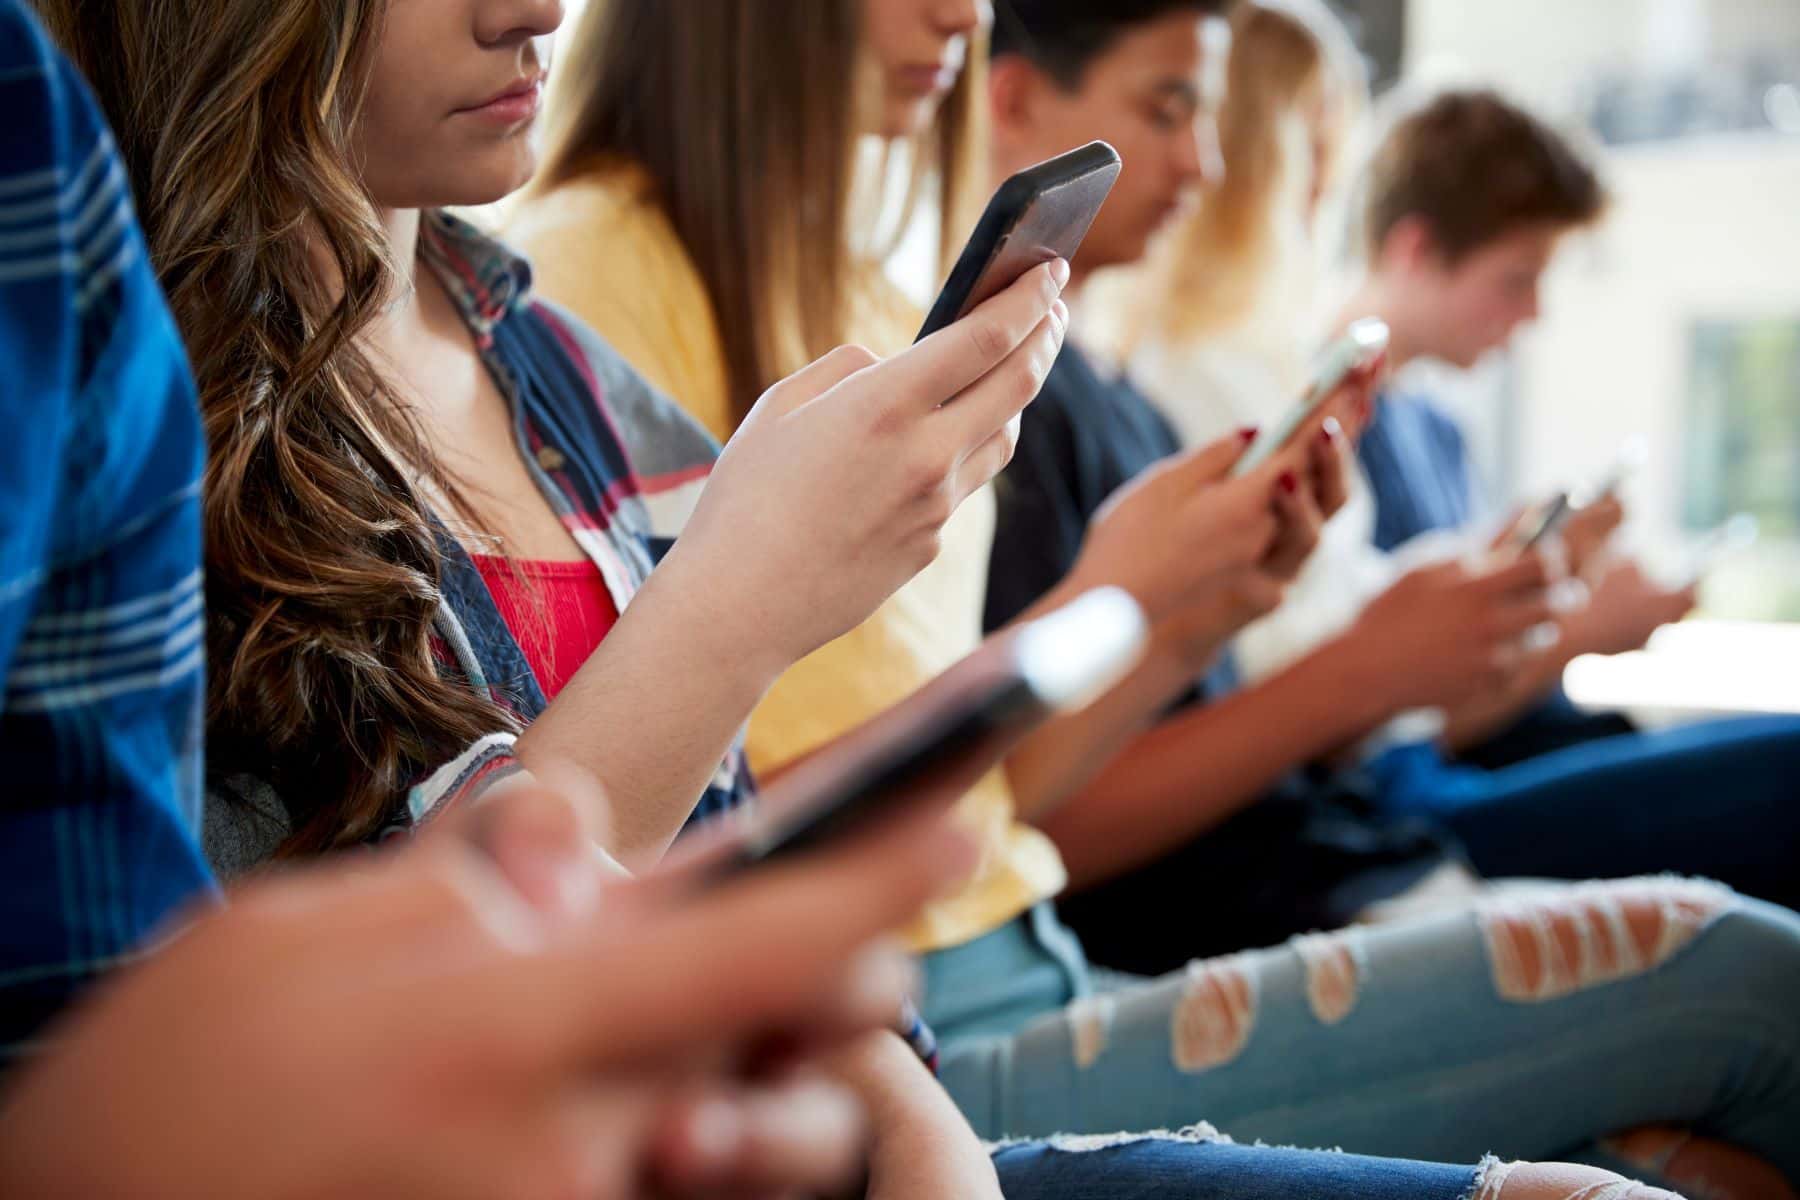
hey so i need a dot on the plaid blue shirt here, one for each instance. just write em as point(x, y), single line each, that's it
point(101, 637)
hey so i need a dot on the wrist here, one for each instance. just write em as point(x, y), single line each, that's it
point(1364, 683)
point(715, 627)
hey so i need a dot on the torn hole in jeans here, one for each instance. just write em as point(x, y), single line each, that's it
point(1087, 1143)
point(1496, 1180)
point(1090, 1028)
point(1214, 1015)
point(1544, 943)
point(1334, 970)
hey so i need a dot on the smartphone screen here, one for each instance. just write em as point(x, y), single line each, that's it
point(1362, 344)
point(1552, 518)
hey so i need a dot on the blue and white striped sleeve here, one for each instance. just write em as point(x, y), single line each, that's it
point(101, 622)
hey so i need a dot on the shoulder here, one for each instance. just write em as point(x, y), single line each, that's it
point(660, 438)
point(607, 224)
point(602, 247)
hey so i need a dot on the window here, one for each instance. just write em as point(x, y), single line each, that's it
point(1742, 454)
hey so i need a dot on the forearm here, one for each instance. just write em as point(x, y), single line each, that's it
point(1192, 771)
point(1057, 759)
point(923, 1146)
point(653, 711)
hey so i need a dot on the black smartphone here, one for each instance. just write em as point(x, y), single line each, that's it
point(1039, 214)
point(962, 721)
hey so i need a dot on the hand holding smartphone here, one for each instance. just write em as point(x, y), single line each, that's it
point(1040, 214)
point(1363, 343)
point(952, 731)
point(1538, 526)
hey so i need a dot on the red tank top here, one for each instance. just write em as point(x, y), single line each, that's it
point(558, 612)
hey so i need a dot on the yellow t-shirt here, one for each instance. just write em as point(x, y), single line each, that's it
point(604, 249)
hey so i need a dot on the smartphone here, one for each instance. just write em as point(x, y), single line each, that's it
point(1737, 533)
point(966, 718)
point(1362, 343)
point(1039, 214)
point(1547, 521)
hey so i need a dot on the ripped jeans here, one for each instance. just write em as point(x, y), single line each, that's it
point(1534, 1026)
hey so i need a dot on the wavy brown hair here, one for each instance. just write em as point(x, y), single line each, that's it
point(742, 114)
point(234, 119)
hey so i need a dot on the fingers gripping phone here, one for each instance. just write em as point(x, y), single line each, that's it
point(1056, 663)
point(1040, 214)
point(1545, 523)
point(1364, 342)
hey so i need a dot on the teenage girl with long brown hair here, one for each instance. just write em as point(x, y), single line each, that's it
point(413, 459)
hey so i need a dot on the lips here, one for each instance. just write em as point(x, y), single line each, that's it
point(926, 78)
point(518, 102)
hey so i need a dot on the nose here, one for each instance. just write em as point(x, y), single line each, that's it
point(1200, 160)
point(1529, 308)
point(959, 18)
point(507, 22)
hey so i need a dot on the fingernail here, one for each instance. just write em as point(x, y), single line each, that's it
point(552, 881)
point(715, 1129)
point(878, 977)
point(955, 857)
point(1331, 430)
point(1247, 433)
point(1059, 271)
point(1062, 313)
point(1288, 483)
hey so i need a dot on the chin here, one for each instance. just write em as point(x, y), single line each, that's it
point(480, 183)
point(909, 118)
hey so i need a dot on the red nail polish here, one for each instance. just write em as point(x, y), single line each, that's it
point(1288, 482)
point(1247, 433)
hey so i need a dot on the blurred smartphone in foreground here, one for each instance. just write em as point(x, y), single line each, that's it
point(958, 725)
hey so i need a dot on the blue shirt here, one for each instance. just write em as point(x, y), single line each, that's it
point(1418, 468)
point(101, 637)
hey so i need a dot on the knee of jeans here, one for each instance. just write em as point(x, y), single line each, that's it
point(1558, 1181)
point(1704, 1169)
point(1547, 942)
point(1214, 1015)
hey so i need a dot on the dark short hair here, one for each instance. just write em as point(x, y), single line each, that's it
point(1061, 37)
point(1476, 167)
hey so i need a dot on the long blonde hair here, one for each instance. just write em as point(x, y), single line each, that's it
point(234, 119)
point(742, 114)
point(1296, 79)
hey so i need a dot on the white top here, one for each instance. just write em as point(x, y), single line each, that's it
point(1208, 390)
